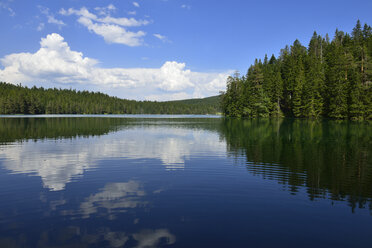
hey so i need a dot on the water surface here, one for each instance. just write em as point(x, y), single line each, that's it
point(172, 181)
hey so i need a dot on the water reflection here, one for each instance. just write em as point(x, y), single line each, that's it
point(331, 159)
point(113, 198)
point(109, 202)
point(65, 225)
point(75, 236)
point(59, 161)
point(142, 183)
point(56, 162)
point(152, 238)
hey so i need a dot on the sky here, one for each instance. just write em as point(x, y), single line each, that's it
point(156, 49)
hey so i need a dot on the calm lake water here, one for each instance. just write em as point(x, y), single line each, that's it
point(184, 182)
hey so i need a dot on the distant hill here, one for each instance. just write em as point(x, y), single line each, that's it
point(212, 100)
point(212, 103)
point(17, 99)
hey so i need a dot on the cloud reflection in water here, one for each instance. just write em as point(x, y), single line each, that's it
point(59, 162)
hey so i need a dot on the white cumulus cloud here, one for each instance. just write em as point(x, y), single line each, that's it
point(55, 62)
point(112, 29)
point(135, 4)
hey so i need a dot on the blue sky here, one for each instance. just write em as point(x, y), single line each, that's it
point(155, 49)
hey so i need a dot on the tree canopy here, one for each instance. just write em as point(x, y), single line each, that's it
point(327, 79)
point(16, 99)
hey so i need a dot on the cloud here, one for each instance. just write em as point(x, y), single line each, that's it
point(113, 33)
point(108, 19)
point(175, 77)
point(82, 12)
point(51, 18)
point(185, 6)
point(135, 4)
point(162, 38)
point(5, 5)
point(126, 22)
point(132, 12)
point(105, 10)
point(112, 29)
point(56, 62)
point(40, 27)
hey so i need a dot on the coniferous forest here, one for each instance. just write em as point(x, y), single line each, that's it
point(329, 78)
point(16, 99)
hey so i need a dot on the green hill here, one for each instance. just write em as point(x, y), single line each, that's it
point(17, 99)
point(212, 100)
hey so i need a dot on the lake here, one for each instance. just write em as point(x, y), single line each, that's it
point(176, 181)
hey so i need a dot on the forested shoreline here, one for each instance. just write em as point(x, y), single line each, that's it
point(17, 99)
point(331, 79)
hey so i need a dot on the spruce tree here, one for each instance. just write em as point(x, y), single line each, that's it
point(336, 81)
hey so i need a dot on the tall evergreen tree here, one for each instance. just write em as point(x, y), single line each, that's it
point(315, 79)
point(296, 81)
point(273, 86)
point(258, 99)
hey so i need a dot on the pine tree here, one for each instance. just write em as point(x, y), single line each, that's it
point(336, 79)
point(297, 82)
point(258, 100)
point(314, 87)
point(273, 86)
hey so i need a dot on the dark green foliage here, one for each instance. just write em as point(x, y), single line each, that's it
point(336, 82)
point(328, 79)
point(315, 79)
point(233, 103)
point(257, 100)
point(15, 99)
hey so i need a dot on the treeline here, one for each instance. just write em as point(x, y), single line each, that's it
point(16, 99)
point(330, 79)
